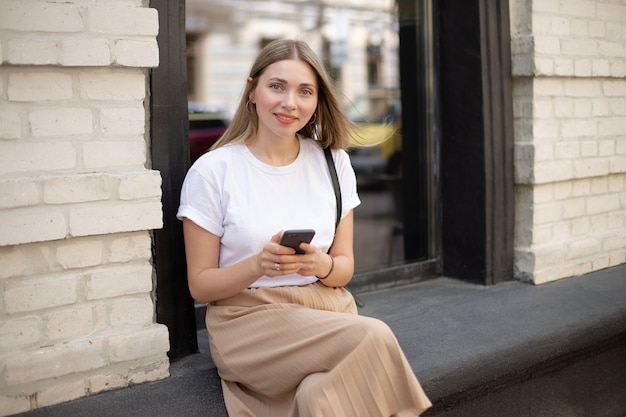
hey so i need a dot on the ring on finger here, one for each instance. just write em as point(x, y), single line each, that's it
point(276, 266)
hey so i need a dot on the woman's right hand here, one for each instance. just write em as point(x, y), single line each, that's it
point(277, 260)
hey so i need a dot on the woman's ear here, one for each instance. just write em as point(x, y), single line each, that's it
point(251, 95)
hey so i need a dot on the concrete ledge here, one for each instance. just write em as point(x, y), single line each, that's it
point(513, 349)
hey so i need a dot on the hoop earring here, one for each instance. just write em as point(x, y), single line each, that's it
point(312, 122)
point(248, 107)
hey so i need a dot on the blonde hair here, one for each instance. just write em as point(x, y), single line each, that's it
point(329, 125)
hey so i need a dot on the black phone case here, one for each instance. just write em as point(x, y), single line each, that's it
point(293, 238)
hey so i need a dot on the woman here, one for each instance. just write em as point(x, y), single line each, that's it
point(283, 332)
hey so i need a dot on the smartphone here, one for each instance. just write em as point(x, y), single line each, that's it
point(293, 238)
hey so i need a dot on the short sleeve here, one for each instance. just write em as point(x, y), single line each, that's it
point(200, 200)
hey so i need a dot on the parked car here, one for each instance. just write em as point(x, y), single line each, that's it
point(206, 126)
point(378, 115)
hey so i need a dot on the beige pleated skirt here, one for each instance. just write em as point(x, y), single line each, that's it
point(303, 351)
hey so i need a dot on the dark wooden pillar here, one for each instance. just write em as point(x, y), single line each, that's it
point(476, 140)
point(169, 133)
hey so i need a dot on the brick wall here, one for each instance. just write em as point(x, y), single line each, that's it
point(569, 77)
point(77, 201)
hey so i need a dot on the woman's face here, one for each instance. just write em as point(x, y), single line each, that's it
point(285, 98)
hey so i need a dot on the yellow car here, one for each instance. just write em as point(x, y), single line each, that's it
point(378, 142)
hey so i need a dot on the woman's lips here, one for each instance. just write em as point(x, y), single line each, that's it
point(285, 118)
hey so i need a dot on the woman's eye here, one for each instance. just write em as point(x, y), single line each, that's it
point(275, 86)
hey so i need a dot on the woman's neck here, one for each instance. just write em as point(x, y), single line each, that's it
point(275, 152)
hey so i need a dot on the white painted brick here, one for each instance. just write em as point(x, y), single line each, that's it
point(119, 281)
point(18, 332)
point(612, 49)
point(76, 189)
point(542, 235)
point(151, 341)
point(61, 392)
point(579, 47)
point(582, 8)
point(559, 25)
point(134, 247)
point(89, 52)
point(10, 125)
point(18, 227)
point(563, 107)
point(106, 84)
point(601, 68)
point(582, 67)
point(561, 231)
point(12, 262)
point(39, 16)
point(614, 88)
point(23, 157)
point(567, 150)
point(149, 372)
point(597, 29)
point(123, 20)
point(616, 183)
point(617, 257)
point(562, 190)
point(547, 45)
point(80, 253)
point(582, 108)
point(132, 311)
point(32, 51)
point(580, 227)
point(618, 69)
point(582, 88)
point(134, 53)
point(55, 361)
point(10, 405)
point(600, 223)
point(546, 6)
point(544, 66)
point(542, 194)
point(616, 241)
point(550, 255)
point(553, 171)
point(107, 381)
point(542, 109)
point(581, 188)
point(599, 185)
point(588, 149)
point(549, 87)
point(583, 248)
point(101, 154)
point(39, 86)
point(72, 323)
point(103, 219)
point(564, 67)
point(579, 27)
point(18, 193)
point(60, 122)
point(545, 128)
point(38, 295)
point(603, 204)
point(591, 167)
point(123, 121)
point(140, 185)
point(547, 213)
point(574, 208)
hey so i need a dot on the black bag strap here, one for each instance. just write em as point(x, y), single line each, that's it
point(333, 177)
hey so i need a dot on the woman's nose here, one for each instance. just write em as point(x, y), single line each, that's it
point(289, 101)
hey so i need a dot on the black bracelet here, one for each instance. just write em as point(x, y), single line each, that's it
point(332, 266)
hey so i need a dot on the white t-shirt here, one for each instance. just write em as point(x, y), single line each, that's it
point(245, 202)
